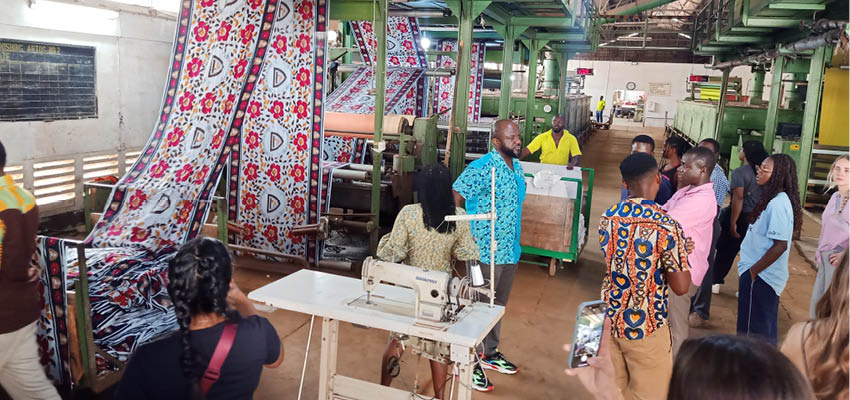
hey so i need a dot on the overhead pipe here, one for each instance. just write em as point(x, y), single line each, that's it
point(420, 14)
point(644, 48)
point(811, 43)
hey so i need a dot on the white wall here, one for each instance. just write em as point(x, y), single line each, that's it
point(610, 76)
point(132, 57)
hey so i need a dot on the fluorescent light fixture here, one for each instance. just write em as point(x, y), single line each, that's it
point(633, 34)
point(676, 20)
point(60, 16)
point(491, 65)
point(634, 39)
point(684, 35)
point(425, 42)
point(332, 36)
point(607, 43)
point(512, 78)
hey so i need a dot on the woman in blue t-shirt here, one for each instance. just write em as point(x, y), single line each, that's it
point(763, 267)
point(206, 302)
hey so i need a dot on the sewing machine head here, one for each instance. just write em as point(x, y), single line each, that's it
point(433, 289)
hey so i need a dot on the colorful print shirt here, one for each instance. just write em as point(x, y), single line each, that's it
point(20, 302)
point(412, 243)
point(639, 242)
point(474, 185)
point(721, 184)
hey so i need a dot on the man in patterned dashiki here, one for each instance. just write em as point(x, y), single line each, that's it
point(472, 189)
point(646, 256)
point(421, 238)
point(21, 374)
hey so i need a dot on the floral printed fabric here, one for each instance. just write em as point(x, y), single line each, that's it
point(640, 242)
point(52, 328)
point(403, 49)
point(445, 86)
point(274, 179)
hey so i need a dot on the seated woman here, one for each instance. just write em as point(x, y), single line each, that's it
point(421, 238)
point(819, 347)
point(208, 306)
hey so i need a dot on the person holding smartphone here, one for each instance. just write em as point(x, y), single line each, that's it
point(646, 256)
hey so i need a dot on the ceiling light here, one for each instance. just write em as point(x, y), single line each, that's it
point(676, 20)
point(425, 42)
point(685, 36)
point(633, 34)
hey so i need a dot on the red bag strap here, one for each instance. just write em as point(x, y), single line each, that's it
point(213, 372)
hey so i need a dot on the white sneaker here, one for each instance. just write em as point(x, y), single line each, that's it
point(736, 294)
point(715, 288)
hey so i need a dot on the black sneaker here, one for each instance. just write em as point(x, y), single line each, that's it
point(499, 363)
point(480, 381)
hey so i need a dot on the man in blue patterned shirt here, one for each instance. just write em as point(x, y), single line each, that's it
point(701, 301)
point(472, 192)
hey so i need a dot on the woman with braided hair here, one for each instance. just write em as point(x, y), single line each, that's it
point(763, 267)
point(208, 305)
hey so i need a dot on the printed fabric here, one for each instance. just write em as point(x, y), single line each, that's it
point(403, 49)
point(640, 242)
point(51, 333)
point(474, 184)
point(274, 178)
point(721, 184)
point(412, 243)
point(444, 91)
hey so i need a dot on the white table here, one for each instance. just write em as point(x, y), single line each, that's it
point(331, 297)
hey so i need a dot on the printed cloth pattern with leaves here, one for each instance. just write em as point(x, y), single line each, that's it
point(52, 328)
point(640, 242)
point(444, 91)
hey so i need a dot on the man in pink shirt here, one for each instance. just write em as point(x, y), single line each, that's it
point(694, 206)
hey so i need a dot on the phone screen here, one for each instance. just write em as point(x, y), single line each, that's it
point(588, 333)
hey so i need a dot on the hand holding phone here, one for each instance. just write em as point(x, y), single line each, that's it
point(587, 337)
point(599, 378)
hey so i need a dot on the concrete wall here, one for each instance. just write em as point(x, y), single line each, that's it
point(132, 56)
point(610, 76)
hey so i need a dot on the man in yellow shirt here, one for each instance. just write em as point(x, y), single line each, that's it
point(557, 146)
point(600, 106)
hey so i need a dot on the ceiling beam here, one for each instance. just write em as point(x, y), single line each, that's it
point(543, 22)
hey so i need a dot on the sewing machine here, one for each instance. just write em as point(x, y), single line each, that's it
point(433, 290)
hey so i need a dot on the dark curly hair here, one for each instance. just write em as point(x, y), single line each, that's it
point(783, 179)
point(198, 281)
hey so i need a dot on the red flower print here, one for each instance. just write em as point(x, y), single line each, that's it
point(271, 233)
point(301, 109)
point(401, 27)
point(253, 140)
point(139, 234)
point(279, 44)
point(194, 67)
point(306, 10)
point(184, 173)
point(303, 77)
point(277, 109)
point(394, 60)
point(301, 142)
point(187, 100)
point(254, 109)
point(255, 4)
point(297, 239)
point(249, 201)
point(115, 230)
point(174, 138)
point(247, 34)
point(304, 43)
point(158, 169)
point(201, 31)
point(343, 157)
point(444, 95)
point(345, 98)
point(206, 3)
point(410, 94)
point(251, 171)
point(297, 204)
point(408, 110)
point(372, 43)
point(224, 30)
point(137, 200)
point(184, 212)
point(367, 27)
point(407, 44)
point(411, 60)
point(297, 173)
point(446, 80)
point(201, 174)
point(273, 172)
point(218, 138)
point(228, 104)
point(239, 68)
point(248, 232)
point(208, 103)
point(362, 82)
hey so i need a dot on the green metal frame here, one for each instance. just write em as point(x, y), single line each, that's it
point(575, 246)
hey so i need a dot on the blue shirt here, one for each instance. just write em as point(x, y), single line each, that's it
point(721, 184)
point(775, 223)
point(665, 192)
point(474, 185)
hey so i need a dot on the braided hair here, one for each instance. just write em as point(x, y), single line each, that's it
point(198, 281)
point(783, 179)
point(434, 189)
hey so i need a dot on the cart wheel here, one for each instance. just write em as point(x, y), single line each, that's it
point(553, 264)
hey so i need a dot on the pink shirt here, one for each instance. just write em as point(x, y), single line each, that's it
point(695, 207)
point(834, 232)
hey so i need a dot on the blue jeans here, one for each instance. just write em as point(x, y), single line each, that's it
point(758, 306)
point(599, 116)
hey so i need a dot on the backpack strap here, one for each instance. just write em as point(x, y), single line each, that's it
point(213, 372)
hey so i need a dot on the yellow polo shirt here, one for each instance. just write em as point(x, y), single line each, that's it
point(560, 155)
point(600, 105)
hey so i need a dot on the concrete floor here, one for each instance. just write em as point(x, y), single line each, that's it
point(540, 313)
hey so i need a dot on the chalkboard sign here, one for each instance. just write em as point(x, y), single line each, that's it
point(45, 82)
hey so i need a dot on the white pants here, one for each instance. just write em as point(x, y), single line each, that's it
point(21, 374)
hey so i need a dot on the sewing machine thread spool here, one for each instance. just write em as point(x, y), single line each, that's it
point(475, 273)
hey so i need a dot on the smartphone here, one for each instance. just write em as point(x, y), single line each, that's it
point(588, 333)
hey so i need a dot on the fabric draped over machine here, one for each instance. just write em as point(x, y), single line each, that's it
point(245, 90)
point(444, 89)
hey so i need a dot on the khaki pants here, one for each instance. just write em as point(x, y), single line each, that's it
point(678, 309)
point(643, 367)
point(21, 374)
